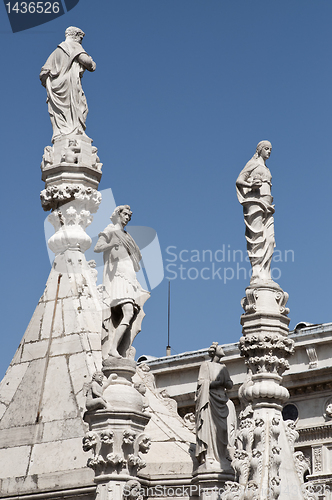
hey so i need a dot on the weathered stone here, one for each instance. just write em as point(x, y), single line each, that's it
point(57, 329)
point(18, 455)
point(11, 381)
point(71, 313)
point(3, 408)
point(23, 407)
point(33, 331)
point(79, 371)
point(70, 344)
point(58, 401)
point(20, 436)
point(47, 318)
point(63, 429)
point(57, 456)
point(34, 350)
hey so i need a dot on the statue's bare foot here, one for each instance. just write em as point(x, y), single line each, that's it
point(114, 353)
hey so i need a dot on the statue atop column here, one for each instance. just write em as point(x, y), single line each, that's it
point(213, 410)
point(61, 75)
point(254, 193)
point(71, 167)
point(123, 296)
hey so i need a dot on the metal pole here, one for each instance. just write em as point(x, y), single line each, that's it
point(168, 348)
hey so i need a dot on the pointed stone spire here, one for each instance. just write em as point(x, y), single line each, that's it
point(42, 396)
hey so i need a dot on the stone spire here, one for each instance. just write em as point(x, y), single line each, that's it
point(41, 396)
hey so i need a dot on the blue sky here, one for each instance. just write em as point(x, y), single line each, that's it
point(182, 93)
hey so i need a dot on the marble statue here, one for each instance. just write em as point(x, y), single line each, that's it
point(123, 296)
point(94, 393)
point(211, 413)
point(61, 75)
point(254, 193)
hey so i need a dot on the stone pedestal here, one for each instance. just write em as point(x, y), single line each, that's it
point(71, 171)
point(116, 434)
point(265, 345)
point(264, 460)
point(210, 485)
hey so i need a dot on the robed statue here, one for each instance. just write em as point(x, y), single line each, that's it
point(253, 188)
point(123, 296)
point(61, 75)
point(215, 415)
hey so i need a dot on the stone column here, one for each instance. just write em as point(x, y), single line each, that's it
point(262, 441)
point(116, 434)
point(264, 461)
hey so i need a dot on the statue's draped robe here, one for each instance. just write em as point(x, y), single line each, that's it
point(258, 217)
point(121, 262)
point(61, 75)
point(211, 415)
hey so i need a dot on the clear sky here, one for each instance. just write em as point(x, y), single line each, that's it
point(182, 93)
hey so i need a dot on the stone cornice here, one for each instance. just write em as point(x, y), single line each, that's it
point(318, 433)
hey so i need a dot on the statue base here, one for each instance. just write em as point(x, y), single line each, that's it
point(264, 460)
point(70, 169)
point(209, 485)
point(116, 434)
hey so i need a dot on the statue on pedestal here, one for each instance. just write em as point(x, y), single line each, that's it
point(123, 296)
point(212, 412)
point(61, 75)
point(254, 193)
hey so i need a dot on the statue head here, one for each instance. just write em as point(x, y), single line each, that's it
point(98, 377)
point(121, 215)
point(75, 34)
point(215, 350)
point(263, 149)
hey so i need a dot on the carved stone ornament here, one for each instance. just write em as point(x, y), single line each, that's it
point(189, 421)
point(266, 352)
point(328, 410)
point(71, 151)
point(316, 491)
point(272, 299)
point(94, 392)
point(232, 491)
point(132, 490)
point(55, 196)
point(72, 218)
point(116, 451)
